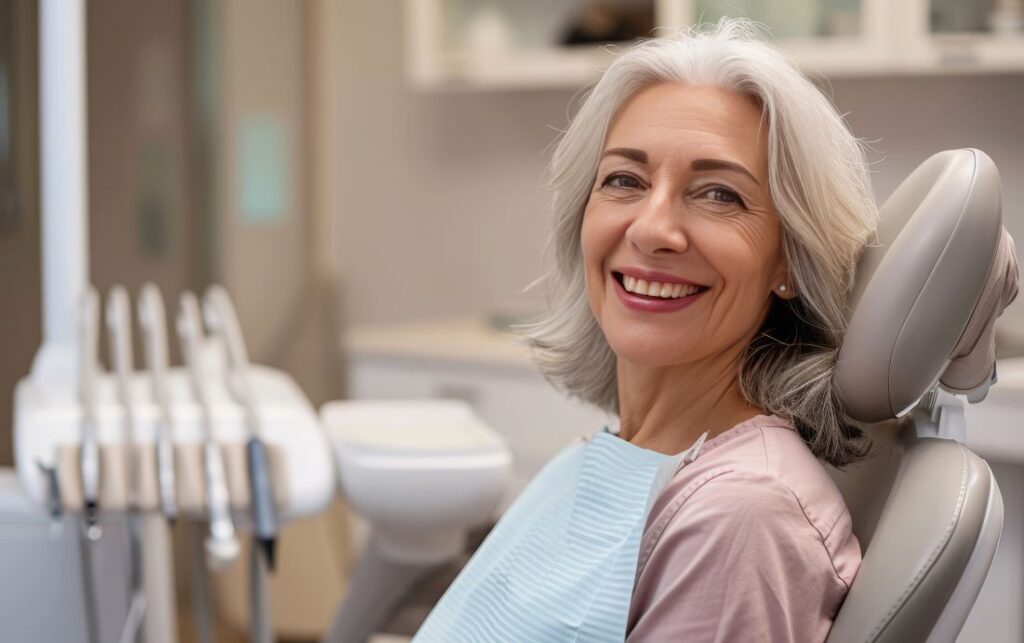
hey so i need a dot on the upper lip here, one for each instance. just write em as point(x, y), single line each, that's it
point(653, 275)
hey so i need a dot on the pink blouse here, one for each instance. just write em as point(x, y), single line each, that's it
point(750, 542)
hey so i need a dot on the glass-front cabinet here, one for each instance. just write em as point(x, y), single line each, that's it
point(967, 36)
point(495, 44)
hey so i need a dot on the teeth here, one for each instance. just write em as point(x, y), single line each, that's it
point(658, 289)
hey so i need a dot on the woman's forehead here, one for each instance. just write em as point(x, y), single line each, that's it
point(672, 119)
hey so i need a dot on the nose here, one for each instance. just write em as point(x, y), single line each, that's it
point(659, 227)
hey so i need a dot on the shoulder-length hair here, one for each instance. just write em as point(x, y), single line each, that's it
point(819, 183)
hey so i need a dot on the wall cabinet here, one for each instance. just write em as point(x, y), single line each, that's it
point(521, 44)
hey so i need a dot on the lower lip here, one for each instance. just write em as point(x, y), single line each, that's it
point(648, 305)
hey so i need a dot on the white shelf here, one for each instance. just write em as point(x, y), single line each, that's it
point(526, 68)
point(970, 53)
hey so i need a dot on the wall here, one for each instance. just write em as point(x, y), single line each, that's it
point(143, 226)
point(261, 258)
point(20, 303)
point(442, 209)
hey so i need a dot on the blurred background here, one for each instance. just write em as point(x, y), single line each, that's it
point(367, 178)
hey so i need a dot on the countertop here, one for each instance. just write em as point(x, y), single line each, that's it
point(473, 340)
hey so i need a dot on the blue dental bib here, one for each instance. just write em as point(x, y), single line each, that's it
point(561, 562)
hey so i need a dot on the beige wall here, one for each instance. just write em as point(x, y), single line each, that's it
point(441, 206)
point(441, 210)
point(261, 73)
point(140, 178)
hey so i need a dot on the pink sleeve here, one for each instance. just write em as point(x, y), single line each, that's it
point(739, 561)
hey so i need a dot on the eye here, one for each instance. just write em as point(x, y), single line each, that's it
point(724, 196)
point(622, 182)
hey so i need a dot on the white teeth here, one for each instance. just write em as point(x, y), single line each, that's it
point(657, 289)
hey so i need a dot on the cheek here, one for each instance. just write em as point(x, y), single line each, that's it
point(747, 247)
point(747, 260)
point(596, 243)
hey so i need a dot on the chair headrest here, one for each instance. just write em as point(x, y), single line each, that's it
point(940, 241)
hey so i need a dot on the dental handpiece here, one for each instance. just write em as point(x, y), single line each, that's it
point(152, 319)
point(221, 319)
point(119, 328)
point(89, 451)
point(221, 545)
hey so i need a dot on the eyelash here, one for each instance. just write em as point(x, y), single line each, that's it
point(715, 188)
point(611, 177)
point(737, 199)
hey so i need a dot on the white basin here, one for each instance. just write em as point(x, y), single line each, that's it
point(421, 472)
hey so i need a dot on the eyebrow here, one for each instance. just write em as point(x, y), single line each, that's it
point(630, 153)
point(698, 165)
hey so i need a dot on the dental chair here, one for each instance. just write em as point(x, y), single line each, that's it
point(927, 511)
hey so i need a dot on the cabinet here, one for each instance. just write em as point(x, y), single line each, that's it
point(518, 44)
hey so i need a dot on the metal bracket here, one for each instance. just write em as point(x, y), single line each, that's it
point(940, 414)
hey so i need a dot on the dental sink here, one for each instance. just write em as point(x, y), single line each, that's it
point(421, 472)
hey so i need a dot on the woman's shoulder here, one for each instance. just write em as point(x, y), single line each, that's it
point(741, 533)
point(759, 476)
point(762, 460)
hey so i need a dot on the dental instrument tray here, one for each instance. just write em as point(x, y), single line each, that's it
point(47, 432)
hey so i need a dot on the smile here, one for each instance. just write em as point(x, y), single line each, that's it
point(655, 296)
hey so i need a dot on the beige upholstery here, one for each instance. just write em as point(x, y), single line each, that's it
point(918, 285)
point(924, 509)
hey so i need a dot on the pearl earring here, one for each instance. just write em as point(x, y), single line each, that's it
point(782, 288)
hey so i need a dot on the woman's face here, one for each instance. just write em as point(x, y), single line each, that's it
point(681, 201)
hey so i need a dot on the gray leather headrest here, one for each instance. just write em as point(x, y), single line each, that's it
point(917, 288)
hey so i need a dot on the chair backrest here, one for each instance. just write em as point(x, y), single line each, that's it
point(928, 515)
point(926, 511)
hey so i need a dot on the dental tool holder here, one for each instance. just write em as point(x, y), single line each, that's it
point(47, 431)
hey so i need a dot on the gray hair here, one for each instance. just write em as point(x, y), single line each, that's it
point(819, 183)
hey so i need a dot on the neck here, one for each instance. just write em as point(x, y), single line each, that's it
point(667, 408)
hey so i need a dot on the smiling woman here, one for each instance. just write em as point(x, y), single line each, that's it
point(711, 153)
point(710, 206)
point(674, 204)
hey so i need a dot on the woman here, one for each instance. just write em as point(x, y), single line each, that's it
point(710, 205)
